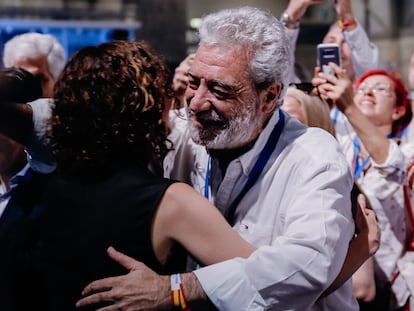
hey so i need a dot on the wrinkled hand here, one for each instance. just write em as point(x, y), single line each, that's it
point(180, 80)
point(297, 8)
point(369, 234)
point(140, 289)
point(336, 89)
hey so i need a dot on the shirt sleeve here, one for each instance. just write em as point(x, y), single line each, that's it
point(304, 257)
point(39, 157)
point(292, 35)
point(365, 55)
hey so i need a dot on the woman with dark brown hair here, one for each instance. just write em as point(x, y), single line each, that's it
point(108, 136)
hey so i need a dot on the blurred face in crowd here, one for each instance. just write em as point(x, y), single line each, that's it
point(39, 67)
point(224, 107)
point(335, 35)
point(376, 98)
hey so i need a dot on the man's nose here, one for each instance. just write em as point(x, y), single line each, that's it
point(198, 99)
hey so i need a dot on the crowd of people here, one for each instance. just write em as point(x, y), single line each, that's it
point(229, 184)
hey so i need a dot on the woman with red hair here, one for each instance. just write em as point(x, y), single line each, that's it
point(378, 110)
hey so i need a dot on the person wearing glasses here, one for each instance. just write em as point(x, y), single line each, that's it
point(378, 110)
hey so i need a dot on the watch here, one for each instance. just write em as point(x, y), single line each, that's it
point(285, 20)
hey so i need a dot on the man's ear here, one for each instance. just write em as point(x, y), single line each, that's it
point(270, 96)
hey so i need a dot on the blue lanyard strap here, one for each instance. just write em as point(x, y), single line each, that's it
point(335, 115)
point(207, 179)
point(257, 169)
point(360, 168)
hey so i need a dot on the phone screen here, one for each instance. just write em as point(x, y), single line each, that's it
point(328, 52)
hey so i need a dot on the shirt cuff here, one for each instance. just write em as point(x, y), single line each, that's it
point(224, 281)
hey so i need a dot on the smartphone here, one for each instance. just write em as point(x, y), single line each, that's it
point(328, 52)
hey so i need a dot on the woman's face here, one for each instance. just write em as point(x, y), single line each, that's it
point(376, 98)
point(292, 106)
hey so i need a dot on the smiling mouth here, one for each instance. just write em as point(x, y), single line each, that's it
point(211, 123)
point(209, 119)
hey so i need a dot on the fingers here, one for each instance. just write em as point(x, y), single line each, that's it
point(102, 285)
point(410, 173)
point(94, 298)
point(360, 219)
point(122, 259)
point(362, 203)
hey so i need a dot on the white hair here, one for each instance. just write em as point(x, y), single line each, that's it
point(33, 44)
point(260, 34)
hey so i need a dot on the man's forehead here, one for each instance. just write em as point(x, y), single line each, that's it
point(216, 62)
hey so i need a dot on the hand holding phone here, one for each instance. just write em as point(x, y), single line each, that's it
point(328, 52)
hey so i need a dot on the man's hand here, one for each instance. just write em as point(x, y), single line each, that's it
point(369, 230)
point(140, 289)
point(344, 10)
point(362, 247)
point(297, 8)
point(180, 80)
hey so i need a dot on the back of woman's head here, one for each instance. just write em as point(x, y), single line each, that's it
point(109, 103)
point(315, 111)
point(401, 94)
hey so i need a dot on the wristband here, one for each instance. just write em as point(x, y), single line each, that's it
point(351, 22)
point(177, 293)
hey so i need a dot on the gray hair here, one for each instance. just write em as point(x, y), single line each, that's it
point(261, 35)
point(33, 44)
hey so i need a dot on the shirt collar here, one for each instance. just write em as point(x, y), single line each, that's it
point(248, 159)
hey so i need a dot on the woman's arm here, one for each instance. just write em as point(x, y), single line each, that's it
point(339, 90)
point(188, 218)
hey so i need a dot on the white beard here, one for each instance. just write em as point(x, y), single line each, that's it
point(240, 130)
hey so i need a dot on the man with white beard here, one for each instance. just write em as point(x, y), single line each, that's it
point(284, 187)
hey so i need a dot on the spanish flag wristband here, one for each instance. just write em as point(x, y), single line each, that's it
point(177, 293)
point(346, 24)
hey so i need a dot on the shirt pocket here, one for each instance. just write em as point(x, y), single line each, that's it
point(257, 234)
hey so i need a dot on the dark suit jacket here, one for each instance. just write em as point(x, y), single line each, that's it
point(21, 285)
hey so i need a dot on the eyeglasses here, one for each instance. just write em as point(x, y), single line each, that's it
point(377, 88)
point(305, 87)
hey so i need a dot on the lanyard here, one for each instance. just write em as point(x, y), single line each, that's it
point(335, 115)
point(207, 180)
point(360, 168)
point(258, 167)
